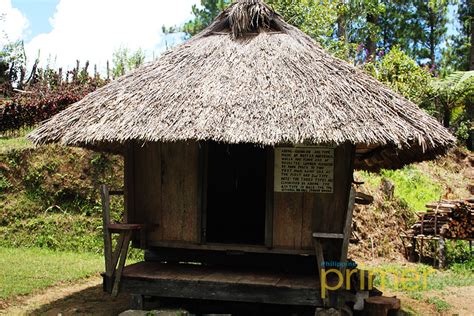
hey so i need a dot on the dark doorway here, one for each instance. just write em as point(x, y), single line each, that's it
point(236, 188)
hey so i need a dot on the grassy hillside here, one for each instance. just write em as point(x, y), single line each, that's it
point(49, 196)
point(378, 226)
point(449, 177)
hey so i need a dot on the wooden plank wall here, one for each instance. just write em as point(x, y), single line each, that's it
point(334, 206)
point(179, 176)
point(163, 189)
point(297, 215)
point(292, 220)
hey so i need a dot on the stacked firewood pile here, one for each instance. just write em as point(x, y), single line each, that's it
point(450, 219)
point(461, 224)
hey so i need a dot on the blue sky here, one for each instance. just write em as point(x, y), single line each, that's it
point(61, 31)
point(38, 13)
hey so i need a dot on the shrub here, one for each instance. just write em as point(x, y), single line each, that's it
point(401, 73)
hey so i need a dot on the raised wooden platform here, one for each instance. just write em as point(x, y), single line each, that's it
point(200, 282)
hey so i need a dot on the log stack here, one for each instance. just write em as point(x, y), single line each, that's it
point(461, 224)
point(450, 219)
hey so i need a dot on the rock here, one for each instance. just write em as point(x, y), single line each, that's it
point(161, 312)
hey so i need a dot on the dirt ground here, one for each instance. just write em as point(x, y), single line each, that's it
point(460, 299)
point(87, 298)
point(82, 298)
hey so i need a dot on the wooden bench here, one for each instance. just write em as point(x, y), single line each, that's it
point(115, 258)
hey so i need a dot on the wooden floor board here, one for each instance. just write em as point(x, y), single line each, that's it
point(220, 283)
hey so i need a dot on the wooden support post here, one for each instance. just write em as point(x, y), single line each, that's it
point(269, 198)
point(321, 270)
point(138, 302)
point(347, 230)
point(123, 257)
point(412, 254)
point(143, 240)
point(104, 194)
point(117, 251)
point(422, 224)
point(442, 253)
point(420, 254)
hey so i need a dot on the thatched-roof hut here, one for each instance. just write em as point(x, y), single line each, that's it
point(252, 78)
point(244, 139)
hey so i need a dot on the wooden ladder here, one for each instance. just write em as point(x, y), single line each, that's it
point(119, 254)
point(318, 239)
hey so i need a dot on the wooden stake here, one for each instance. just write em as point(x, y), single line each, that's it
point(441, 253)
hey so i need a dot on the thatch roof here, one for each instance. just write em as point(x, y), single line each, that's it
point(251, 77)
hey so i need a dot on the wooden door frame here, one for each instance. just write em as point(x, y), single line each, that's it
point(270, 161)
point(202, 189)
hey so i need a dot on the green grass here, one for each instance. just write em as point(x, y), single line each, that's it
point(25, 270)
point(439, 304)
point(417, 278)
point(412, 186)
point(14, 143)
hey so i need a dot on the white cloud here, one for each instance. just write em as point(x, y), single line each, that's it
point(13, 23)
point(93, 29)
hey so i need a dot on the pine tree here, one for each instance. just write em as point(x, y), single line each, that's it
point(398, 25)
point(461, 57)
point(204, 15)
point(432, 24)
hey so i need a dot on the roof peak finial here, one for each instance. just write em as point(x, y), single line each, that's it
point(248, 16)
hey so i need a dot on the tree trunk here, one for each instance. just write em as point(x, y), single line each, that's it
point(446, 116)
point(470, 117)
point(471, 53)
point(341, 21)
point(341, 27)
point(371, 44)
point(432, 40)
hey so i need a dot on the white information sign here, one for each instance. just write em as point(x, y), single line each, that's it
point(304, 169)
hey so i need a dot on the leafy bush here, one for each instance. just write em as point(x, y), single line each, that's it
point(401, 73)
point(451, 99)
point(25, 111)
point(457, 252)
point(47, 93)
point(4, 183)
